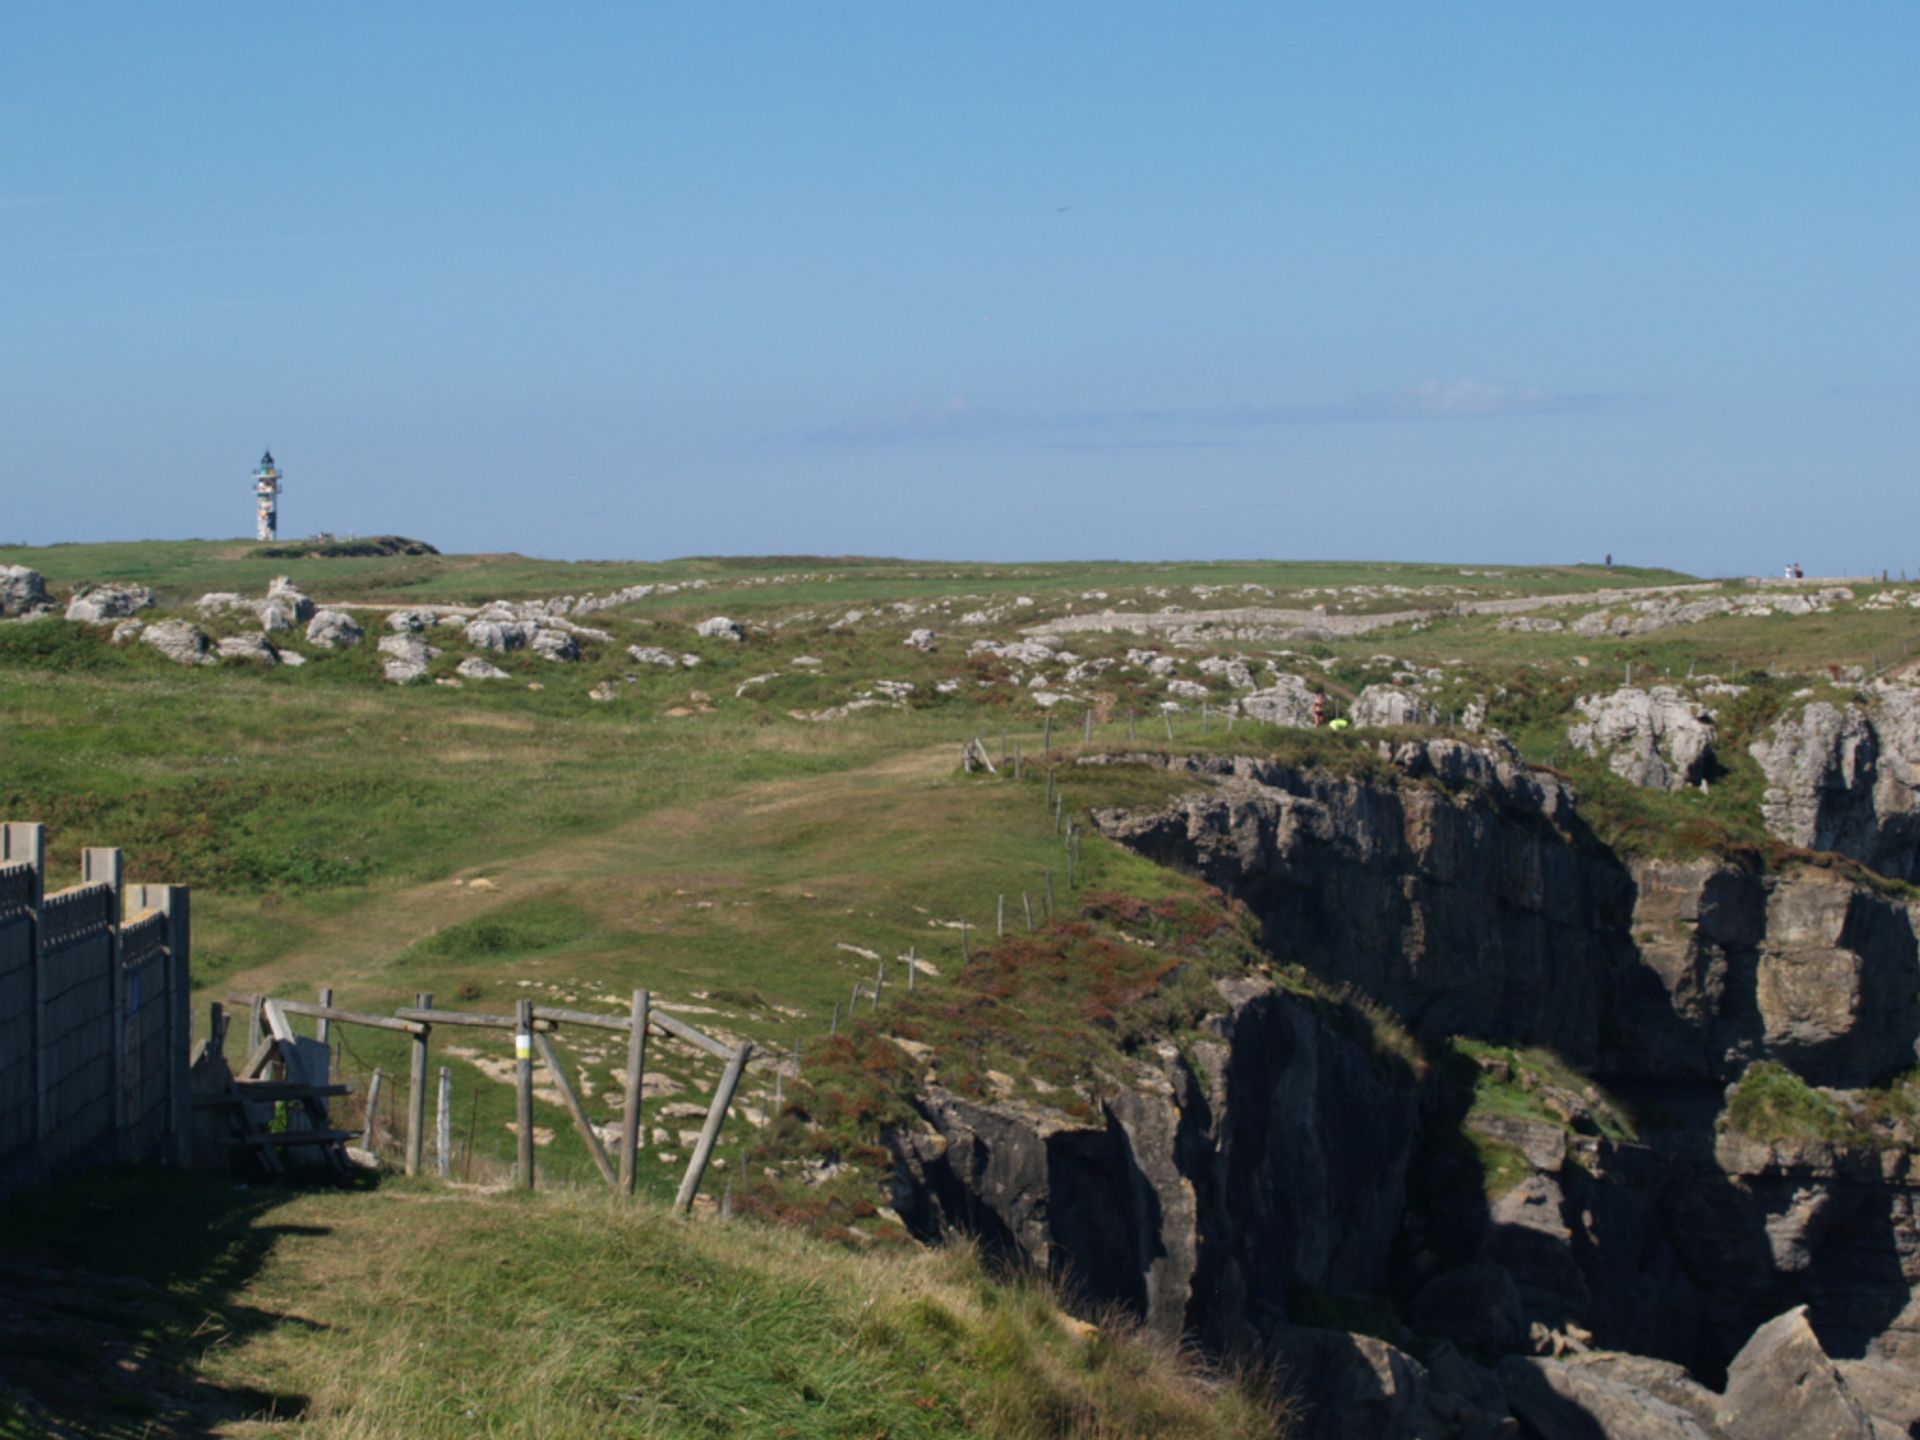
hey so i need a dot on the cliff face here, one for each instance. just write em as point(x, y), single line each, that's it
point(1847, 778)
point(1274, 1157)
point(1281, 1157)
point(1469, 900)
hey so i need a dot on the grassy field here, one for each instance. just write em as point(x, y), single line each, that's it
point(737, 840)
point(186, 1306)
point(182, 570)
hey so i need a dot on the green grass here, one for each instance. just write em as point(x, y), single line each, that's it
point(1533, 1083)
point(1771, 1103)
point(185, 569)
point(176, 1304)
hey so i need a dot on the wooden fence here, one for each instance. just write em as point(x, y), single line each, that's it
point(532, 1027)
point(94, 1020)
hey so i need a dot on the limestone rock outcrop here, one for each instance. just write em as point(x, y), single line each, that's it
point(719, 627)
point(407, 657)
point(1847, 778)
point(1560, 1401)
point(1783, 1386)
point(555, 645)
point(1275, 1154)
point(23, 593)
point(179, 641)
point(1352, 1385)
point(284, 607)
point(1800, 967)
point(666, 659)
point(474, 668)
point(256, 649)
point(1287, 701)
point(1477, 907)
point(104, 604)
point(334, 630)
point(1656, 738)
point(1381, 705)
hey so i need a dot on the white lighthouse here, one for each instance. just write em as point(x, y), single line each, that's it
point(266, 489)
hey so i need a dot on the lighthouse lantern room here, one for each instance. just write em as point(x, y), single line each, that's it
point(266, 489)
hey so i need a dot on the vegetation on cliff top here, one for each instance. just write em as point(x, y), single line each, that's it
point(147, 1302)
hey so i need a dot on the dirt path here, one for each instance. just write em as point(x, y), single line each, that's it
point(359, 944)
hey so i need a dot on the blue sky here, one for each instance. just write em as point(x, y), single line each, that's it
point(1508, 281)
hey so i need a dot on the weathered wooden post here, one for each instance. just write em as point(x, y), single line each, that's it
point(1087, 739)
point(637, 1016)
point(1016, 759)
point(523, 1092)
point(1046, 742)
point(710, 1132)
point(373, 1108)
point(589, 1137)
point(1167, 715)
point(1026, 903)
point(913, 966)
point(1000, 917)
point(322, 1027)
point(443, 1127)
point(417, 1091)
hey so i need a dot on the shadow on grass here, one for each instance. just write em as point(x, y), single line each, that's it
point(114, 1284)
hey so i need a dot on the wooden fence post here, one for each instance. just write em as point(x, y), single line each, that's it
point(595, 1151)
point(1000, 917)
point(443, 1129)
point(637, 1014)
point(373, 1108)
point(321, 1027)
point(716, 1113)
point(417, 1091)
point(523, 1092)
point(1046, 743)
